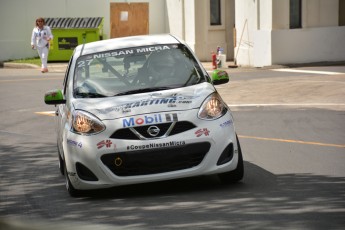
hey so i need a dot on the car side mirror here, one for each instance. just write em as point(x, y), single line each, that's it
point(220, 77)
point(54, 97)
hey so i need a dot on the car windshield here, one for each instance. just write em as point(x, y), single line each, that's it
point(136, 70)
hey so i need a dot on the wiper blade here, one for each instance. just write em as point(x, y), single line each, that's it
point(145, 90)
point(90, 95)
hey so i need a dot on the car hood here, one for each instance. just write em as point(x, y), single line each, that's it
point(128, 105)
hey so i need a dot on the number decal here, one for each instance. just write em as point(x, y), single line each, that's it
point(82, 63)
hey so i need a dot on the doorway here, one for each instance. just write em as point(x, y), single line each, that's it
point(129, 19)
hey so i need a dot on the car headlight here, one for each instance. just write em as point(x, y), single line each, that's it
point(212, 108)
point(86, 124)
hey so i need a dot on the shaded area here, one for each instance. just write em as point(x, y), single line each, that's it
point(31, 189)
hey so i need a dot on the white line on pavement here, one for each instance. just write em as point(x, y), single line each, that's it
point(47, 113)
point(287, 104)
point(307, 71)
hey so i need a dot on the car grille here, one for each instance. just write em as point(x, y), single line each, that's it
point(158, 160)
point(140, 132)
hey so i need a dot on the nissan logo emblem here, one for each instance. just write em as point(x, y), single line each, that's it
point(153, 131)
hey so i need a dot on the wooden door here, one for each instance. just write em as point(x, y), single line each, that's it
point(127, 19)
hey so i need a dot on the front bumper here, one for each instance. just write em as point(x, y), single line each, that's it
point(99, 162)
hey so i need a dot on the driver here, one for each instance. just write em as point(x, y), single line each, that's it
point(161, 66)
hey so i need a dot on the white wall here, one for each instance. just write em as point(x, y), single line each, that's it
point(189, 23)
point(21, 15)
point(246, 22)
point(322, 44)
point(262, 51)
point(181, 20)
point(187, 19)
point(18, 17)
point(299, 46)
point(190, 20)
point(175, 17)
point(267, 39)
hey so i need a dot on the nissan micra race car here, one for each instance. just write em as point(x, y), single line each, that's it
point(142, 109)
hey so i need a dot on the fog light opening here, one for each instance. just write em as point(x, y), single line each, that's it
point(226, 155)
point(84, 173)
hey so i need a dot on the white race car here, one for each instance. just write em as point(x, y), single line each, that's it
point(142, 109)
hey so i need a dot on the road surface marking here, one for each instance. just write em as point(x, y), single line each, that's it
point(307, 71)
point(287, 104)
point(292, 141)
point(47, 113)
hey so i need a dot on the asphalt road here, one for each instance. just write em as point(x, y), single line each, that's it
point(292, 131)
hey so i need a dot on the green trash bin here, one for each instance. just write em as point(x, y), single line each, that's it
point(71, 32)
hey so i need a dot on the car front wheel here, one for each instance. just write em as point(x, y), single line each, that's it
point(71, 190)
point(61, 162)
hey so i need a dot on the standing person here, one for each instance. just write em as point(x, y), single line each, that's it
point(41, 35)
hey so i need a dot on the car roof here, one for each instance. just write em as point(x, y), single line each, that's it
point(125, 42)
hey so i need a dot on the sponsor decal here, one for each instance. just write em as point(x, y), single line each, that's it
point(156, 145)
point(116, 53)
point(126, 110)
point(201, 132)
point(74, 143)
point(149, 119)
point(106, 143)
point(171, 117)
point(170, 101)
point(131, 51)
point(226, 123)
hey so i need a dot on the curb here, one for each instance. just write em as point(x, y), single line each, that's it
point(61, 67)
point(11, 65)
point(230, 66)
point(54, 68)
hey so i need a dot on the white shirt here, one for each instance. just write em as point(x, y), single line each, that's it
point(39, 37)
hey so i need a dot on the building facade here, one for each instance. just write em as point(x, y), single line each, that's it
point(273, 32)
point(187, 19)
point(250, 32)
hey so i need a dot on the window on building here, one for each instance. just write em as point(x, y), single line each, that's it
point(215, 16)
point(295, 14)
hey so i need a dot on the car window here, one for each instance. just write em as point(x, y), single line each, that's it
point(64, 85)
point(133, 70)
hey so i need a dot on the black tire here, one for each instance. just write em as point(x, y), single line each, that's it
point(238, 173)
point(71, 190)
point(61, 163)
